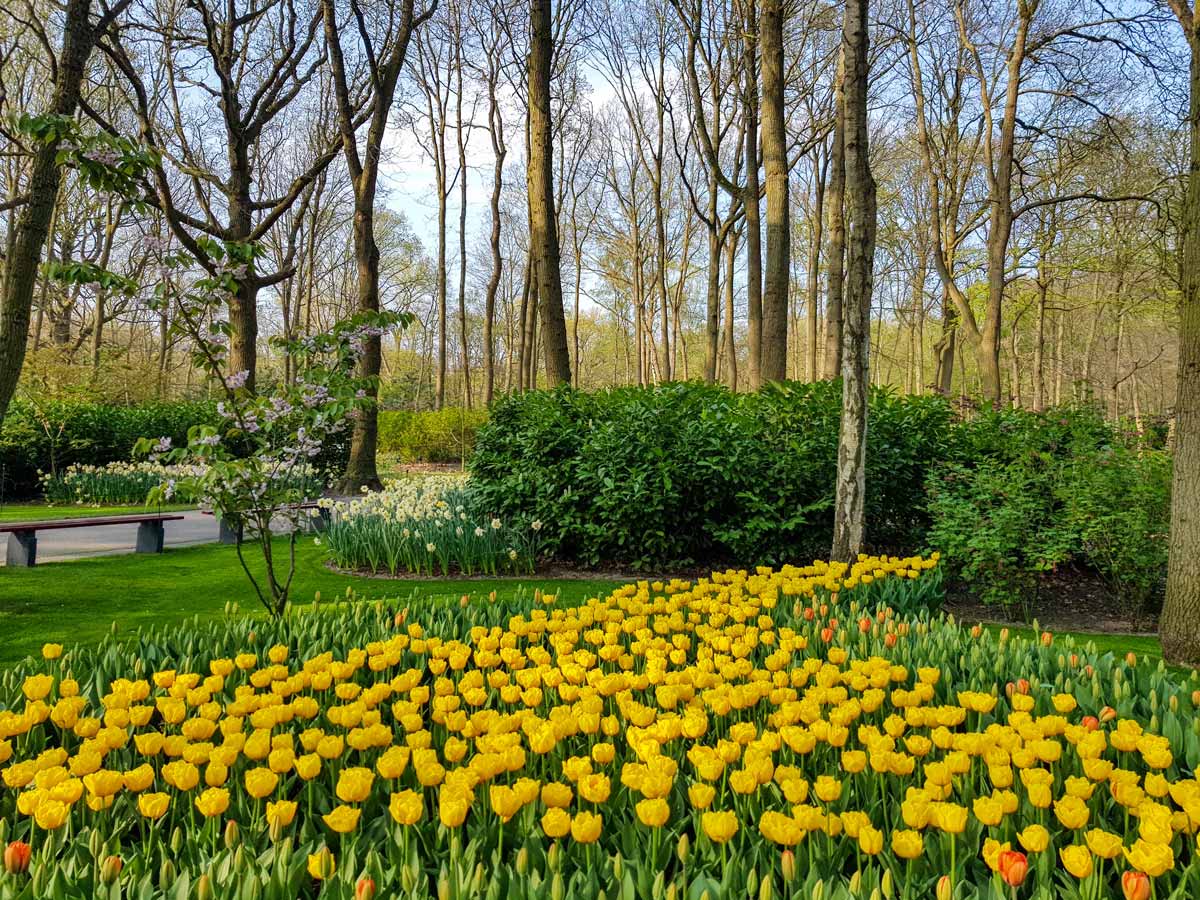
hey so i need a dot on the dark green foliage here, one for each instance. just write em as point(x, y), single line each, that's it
point(438, 436)
point(1028, 492)
point(685, 472)
point(49, 435)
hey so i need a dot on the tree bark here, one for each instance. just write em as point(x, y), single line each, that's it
point(1179, 626)
point(835, 255)
point(33, 223)
point(750, 199)
point(850, 494)
point(544, 234)
point(820, 173)
point(775, 167)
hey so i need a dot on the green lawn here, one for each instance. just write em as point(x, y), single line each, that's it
point(29, 512)
point(79, 601)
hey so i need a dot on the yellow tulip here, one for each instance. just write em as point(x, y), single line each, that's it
point(556, 822)
point(342, 819)
point(213, 801)
point(153, 806)
point(907, 844)
point(586, 827)
point(719, 827)
point(354, 784)
point(321, 865)
point(407, 807)
point(1077, 860)
point(653, 813)
point(260, 782)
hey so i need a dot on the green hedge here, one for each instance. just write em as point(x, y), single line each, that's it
point(440, 436)
point(686, 472)
point(51, 435)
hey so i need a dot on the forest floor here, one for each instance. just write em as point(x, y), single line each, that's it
point(1066, 599)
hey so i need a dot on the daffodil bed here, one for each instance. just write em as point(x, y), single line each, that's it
point(779, 733)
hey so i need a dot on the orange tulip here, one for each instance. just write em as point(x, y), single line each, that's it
point(1136, 886)
point(1013, 867)
point(16, 857)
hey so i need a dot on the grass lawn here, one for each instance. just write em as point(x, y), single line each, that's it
point(29, 512)
point(80, 600)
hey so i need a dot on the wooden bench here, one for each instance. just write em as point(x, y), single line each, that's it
point(230, 536)
point(22, 536)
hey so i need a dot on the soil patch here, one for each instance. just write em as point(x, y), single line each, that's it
point(1069, 599)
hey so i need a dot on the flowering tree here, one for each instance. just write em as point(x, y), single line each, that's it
point(255, 466)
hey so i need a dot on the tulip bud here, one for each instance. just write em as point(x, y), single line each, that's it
point(364, 889)
point(944, 888)
point(557, 889)
point(275, 830)
point(464, 600)
point(818, 890)
point(1107, 714)
point(681, 849)
point(1173, 703)
point(658, 888)
point(1135, 886)
point(1196, 698)
point(886, 885)
point(672, 891)
point(617, 866)
point(522, 861)
point(95, 844)
point(443, 886)
point(111, 869)
point(176, 841)
point(787, 864)
point(855, 882)
point(552, 857)
point(231, 834)
point(407, 879)
point(16, 858)
point(204, 889)
point(166, 875)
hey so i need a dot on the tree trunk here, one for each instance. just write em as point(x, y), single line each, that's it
point(835, 255)
point(544, 234)
point(773, 357)
point(33, 223)
point(750, 196)
point(712, 306)
point(814, 263)
point(731, 368)
point(850, 494)
point(1179, 626)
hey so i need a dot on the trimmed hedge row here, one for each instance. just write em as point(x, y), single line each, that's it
point(682, 473)
point(51, 435)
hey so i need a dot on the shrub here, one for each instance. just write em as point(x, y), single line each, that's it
point(1118, 504)
point(1027, 492)
point(436, 436)
point(1000, 528)
point(683, 472)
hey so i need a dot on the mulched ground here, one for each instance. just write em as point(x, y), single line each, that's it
point(1070, 599)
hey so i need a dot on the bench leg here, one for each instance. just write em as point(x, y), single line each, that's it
point(22, 549)
point(150, 537)
point(227, 534)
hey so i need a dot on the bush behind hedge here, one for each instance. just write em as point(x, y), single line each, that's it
point(440, 436)
point(684, 472)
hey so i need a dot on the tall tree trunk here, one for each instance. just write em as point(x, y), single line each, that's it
point(33, 223)
point(712, 306)
point(460, 135)
point(439, 380)
point(499, 150)
point(835, 256)
point(731, 368)
point(1179, 627)
point(850, 495)
point(544, 234)
point(750, 197)
point(775, 167)
point(814, 263)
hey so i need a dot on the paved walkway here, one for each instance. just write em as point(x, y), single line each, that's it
point(107, 540)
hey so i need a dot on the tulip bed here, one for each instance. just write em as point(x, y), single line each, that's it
point(769, 733)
